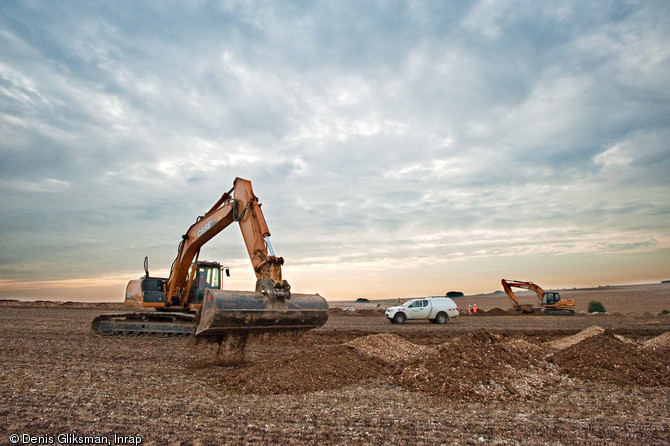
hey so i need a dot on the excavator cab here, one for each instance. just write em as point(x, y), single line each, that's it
point(208, 275)
point(549, 298)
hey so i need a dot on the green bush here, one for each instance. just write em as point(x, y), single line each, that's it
point(666, 312)
point(596, 307)
point(362, 299)
point(454, 294)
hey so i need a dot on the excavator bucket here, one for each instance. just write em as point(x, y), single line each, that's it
point(226, 312)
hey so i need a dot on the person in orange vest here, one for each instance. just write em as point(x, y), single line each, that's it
point(474, 309)
point(470, 310)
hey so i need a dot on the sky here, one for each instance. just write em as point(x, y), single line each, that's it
point(399, 148)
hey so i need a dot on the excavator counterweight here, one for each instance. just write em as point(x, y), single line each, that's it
point(192, 301)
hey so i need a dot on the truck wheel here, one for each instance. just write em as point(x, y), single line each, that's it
point(399, 318)
point(441, 318)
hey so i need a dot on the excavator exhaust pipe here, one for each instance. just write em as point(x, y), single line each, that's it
point(227, 312)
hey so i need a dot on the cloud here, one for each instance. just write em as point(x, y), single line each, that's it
point(613, 158)
point(375, 134)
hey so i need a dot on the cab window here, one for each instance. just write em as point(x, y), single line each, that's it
point(550, 298)
point(208, 277)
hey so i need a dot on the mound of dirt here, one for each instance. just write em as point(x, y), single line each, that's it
point(524, 346)
point(495, 312)
point(357, 312)
point(304, 371)
point(369, 312)
point(389, 348)
point(472, 365)
point(626, 340)
point(603, 357)
point(533, 312)
point(563, 343)
point(475, 364)
point(660, 341)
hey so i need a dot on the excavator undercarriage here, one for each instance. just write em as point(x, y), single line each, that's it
point(152, 323)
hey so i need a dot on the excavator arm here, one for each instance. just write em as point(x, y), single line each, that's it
point(507, 286)
point(242, 207)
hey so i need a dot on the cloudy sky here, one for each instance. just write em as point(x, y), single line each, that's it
point(400, 148)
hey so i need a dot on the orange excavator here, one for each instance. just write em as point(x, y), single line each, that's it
point(551, 302)
point(191, 299)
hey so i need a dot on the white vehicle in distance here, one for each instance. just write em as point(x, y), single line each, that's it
point(437, 310)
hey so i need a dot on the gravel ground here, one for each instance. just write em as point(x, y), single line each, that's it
point(357, 380)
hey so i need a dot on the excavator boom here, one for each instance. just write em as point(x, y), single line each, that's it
point(507, 286)
point(242, 207)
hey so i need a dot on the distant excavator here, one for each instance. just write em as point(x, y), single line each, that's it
point(191, 300)
point(551, 302)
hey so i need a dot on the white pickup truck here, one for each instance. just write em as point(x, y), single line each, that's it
point(437, 310)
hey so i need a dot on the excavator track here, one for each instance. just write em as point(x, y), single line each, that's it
point(145, 324)
point(558, 311)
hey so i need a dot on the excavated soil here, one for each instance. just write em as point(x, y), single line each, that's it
point(568, 341)
point(358, 380)
point(603, 357)
point(659, 342)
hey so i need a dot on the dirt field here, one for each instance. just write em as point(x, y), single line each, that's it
point(584, 379)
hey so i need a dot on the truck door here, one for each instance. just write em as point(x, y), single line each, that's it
point(419, 309)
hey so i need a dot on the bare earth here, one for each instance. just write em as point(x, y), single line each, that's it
point(583, 379)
